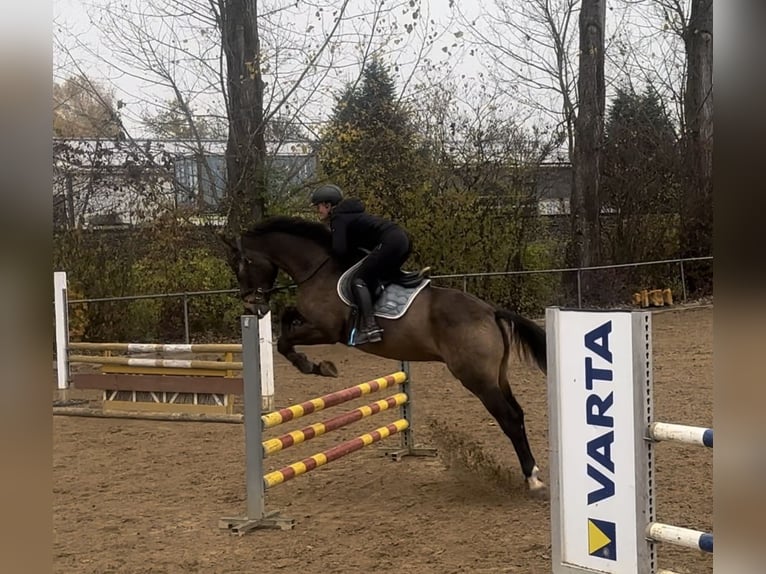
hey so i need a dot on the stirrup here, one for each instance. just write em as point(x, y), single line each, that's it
point(363, 337)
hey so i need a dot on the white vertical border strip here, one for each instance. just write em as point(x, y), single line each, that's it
point(642, 418)
point(61, 311)
point(554, 434)
point(266, 350)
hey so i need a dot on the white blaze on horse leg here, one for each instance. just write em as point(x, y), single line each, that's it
point(533, 481)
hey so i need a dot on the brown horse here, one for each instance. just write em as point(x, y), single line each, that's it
point(473, 338)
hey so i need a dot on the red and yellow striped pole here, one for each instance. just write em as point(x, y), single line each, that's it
point(330, 400)
point(317, 429)
point(320, 459)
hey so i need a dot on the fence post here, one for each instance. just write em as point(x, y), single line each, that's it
point(62, 328)
point(465, 284)
point(579, 288)
point(186, 319)
point(683, 281)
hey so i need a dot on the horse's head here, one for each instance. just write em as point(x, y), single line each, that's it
point(255, 274)
point(298, 247)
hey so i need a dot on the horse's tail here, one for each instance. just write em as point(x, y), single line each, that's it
point(526, 336)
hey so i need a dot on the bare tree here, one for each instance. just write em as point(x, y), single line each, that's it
point(171, 122)
point(248, 61)
point(246, 146)
point(105, 182)
point(532, 48)
point(481, 204)
point(647, 49)
point(697, 208)
point(586, 207)
point(674, 52)
point(167, 49)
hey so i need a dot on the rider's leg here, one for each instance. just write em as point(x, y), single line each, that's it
point(369, 330)
point(381, 265)
point(393, 252)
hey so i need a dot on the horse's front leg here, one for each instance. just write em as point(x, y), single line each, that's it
point(296, 330)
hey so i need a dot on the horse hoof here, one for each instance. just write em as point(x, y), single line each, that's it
point(537, 488)
point(328, 369)
point(306, 367)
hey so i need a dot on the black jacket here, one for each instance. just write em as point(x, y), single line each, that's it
point(353, 228)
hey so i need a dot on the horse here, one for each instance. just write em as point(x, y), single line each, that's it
point(473, 338)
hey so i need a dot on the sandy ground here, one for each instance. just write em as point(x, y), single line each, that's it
point(144, 497)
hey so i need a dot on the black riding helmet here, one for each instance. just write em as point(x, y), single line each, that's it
point(327, 193)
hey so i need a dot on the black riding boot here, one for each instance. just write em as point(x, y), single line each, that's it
point(368, 329)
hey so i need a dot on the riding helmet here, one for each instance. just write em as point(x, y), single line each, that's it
point(327, 193)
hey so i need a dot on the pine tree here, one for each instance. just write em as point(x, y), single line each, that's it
point(641, 177)
point(370, 147)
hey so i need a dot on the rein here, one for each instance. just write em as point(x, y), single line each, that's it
point(277, 288)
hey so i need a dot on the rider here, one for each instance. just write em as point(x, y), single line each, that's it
point(354, 229)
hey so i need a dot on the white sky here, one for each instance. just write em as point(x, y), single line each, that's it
point(78, 22)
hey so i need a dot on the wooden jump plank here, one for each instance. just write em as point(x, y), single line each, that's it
point(158, 383)
point(130, 406)
point(172, 416)
point(128, 370)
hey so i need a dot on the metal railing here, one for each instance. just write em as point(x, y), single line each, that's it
point(185, 296)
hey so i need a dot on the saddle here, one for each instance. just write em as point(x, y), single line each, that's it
point(411, 279)
point(392, 299)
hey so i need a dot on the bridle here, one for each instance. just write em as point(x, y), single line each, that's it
point(262, 295)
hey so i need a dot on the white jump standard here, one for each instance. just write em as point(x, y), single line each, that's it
point(602, 436)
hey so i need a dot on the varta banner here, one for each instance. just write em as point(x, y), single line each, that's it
point(595, 375)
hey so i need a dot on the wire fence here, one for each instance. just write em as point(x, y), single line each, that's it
point(582, 274)
point(528, 290)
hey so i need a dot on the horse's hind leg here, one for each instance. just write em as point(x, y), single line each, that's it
point(521, 445)
point(510, 416)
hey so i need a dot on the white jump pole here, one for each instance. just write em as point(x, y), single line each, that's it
point(681, 433)
point(266, 352)
point(679, 536)
point(62, 328)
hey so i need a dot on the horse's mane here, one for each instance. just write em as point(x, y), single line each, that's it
point(311, 230)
